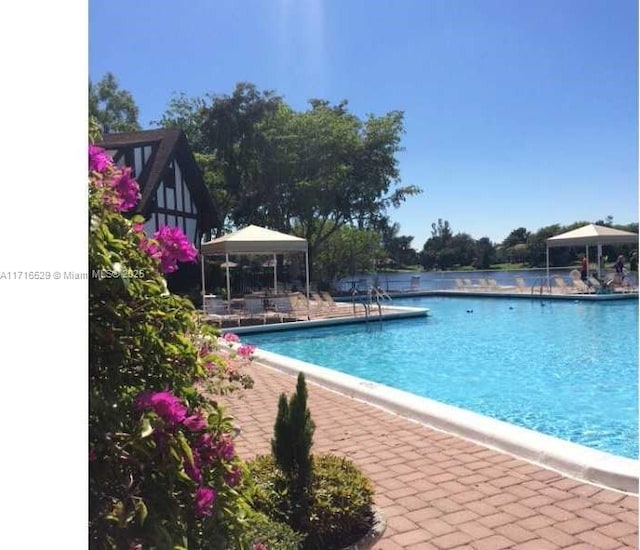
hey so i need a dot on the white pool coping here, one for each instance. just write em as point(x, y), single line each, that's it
point(388, 313)
point(570, 459)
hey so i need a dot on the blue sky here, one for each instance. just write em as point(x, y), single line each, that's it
point(516, 113)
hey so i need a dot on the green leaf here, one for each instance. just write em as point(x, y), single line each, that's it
point(185, 447)
point(141, 511)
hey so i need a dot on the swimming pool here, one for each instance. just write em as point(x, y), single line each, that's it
point(566, 369)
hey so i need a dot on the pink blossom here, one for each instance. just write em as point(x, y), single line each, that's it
point(92, 454)
point(233, 477)
point(195, 422)
point(230, 337)
point(193, 469)
point(226, 450)
point(151, 249)
point(205, 349)
point(138, 227)
point(166, 405)
point(259, 546)
point(205, 447)
point(99, 159)
point(175, 247)
point(204, 498)
point(246, 350)
point(127, 190)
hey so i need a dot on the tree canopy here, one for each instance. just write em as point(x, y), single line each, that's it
point(112, 108)
point(308, 172)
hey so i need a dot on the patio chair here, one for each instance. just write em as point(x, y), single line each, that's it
point(581, 286)
point(293, 306)
point(562, 285)
point(460, 285)
point(522, 286)
point(216, 311)
point(495, 287)
point(254, 307)
point(290, 307)
point(469, 285)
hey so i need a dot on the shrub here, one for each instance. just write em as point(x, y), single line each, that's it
point(163, 472)
point(340, 499)
point(325, 497)
point(272, 535)
point(293, 434)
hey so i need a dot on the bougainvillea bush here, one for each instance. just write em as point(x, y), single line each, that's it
point(163, 471)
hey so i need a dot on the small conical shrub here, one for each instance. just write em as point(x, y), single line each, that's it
point(302, 428)
point(291, 450)
point(281, 447)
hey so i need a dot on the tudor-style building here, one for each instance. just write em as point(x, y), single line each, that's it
point(172, 190)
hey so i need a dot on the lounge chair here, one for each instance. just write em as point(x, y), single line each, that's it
point(470, 286)
point(254, 307)
point(495, 287)
point(460, 284)
point(216, 311)
point(562, 285)
point(483, 284)
point(293, 306)
point(581, 286)
point(522, 286)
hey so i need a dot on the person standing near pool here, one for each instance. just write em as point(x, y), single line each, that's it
point(584, 268)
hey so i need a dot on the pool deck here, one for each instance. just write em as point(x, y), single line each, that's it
point(437, 490)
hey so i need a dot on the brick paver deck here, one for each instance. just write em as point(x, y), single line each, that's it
point(439, 491)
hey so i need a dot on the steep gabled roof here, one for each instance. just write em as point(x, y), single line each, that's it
point(167, 144)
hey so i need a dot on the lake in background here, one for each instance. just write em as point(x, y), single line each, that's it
point(445, 280)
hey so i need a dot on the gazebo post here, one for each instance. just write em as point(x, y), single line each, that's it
point(204, 308)
point(599, 261)
point(548, 279)
point(228, 285)
point(275, 275)
point(307, 270)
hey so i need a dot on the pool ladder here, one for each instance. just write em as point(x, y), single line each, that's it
point(541, 285)
point(374, 296)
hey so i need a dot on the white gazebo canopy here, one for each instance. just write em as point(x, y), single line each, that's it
point(591, 235)
point(254, 240)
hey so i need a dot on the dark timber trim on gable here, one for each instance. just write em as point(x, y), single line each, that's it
point(168, 145)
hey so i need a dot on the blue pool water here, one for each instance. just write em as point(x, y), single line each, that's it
point(564, 368)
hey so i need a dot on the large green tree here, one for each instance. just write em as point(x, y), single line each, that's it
point(311, 172)
point(113, 109)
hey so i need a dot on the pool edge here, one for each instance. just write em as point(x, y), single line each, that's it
point(571, 459)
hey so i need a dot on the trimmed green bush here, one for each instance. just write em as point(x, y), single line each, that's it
point(271, 534)
point(340, 500)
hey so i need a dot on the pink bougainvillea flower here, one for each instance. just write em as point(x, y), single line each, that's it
point(126, 188)
point(246, 350)
point(205, 448)
point(259, 546)
point(99, 159)
point(166, 405)
point(233, 477)
point(193, 469)
point(226, 450)
point(138, 228)
point(204, 499)
point(151, 249)
point(230, 337)
point(175, 247)
point(195, 422)
point(205, 349)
